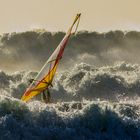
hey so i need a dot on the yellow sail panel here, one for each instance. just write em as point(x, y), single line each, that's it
point(41, 86)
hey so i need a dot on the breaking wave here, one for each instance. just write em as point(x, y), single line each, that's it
point(32, 48)
point(83, 81)
point(89, 102)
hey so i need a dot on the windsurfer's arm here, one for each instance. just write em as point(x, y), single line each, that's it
point(51, 84)
point(31, 80)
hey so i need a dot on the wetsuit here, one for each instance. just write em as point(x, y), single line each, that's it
point(46, 99)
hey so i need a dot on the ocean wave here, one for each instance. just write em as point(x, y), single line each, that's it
point(83, 81)
point(88, 102)
point(69, 120)
point(32, 48)
point(107, 82)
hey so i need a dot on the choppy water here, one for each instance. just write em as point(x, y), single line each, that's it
point(88, 103)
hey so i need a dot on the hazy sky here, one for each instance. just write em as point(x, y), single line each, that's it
point(57, 15)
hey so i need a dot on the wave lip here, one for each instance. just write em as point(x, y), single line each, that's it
point(89, 47)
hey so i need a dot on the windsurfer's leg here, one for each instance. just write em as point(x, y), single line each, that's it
point(44, 98)
point(48, 96)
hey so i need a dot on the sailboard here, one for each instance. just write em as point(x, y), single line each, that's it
point(44, 78)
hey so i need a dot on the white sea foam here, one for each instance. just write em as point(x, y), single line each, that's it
point(88, 103)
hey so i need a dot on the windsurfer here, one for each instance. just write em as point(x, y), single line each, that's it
point(44, 78)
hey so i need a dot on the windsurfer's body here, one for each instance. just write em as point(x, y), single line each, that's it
point(46, 96)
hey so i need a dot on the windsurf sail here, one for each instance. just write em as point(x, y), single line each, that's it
point(45, 77)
